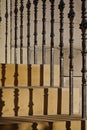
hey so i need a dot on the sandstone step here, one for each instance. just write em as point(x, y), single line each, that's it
point(27, 75)
point(58, 125)
point(38, 101)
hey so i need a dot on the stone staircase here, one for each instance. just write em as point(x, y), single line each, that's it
point(26, 96)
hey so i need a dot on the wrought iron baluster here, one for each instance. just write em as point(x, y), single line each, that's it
point(28, 31)
point(34, 126)
point(16, 30)
point(10, 30)
point(71, 16)
point(83, 27)
point(44, 33)
point(52, 45)
point(0, 15)
point(6, 42)
point(61, 8)
point(21, 31)
point(35, 2)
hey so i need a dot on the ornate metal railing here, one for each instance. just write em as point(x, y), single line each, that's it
point(71, 18)
point(17, 31)
point(83, 27)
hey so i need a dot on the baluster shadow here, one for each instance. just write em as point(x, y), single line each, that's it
point(16, 91)
point(29, 75)
point(2, 103)
point(68, 125)
point(83, 125)
point(45, 101)
point(59, 104)
point(50, 125)
point(3, 75)
point(34, 126)
point(14, 127)
point(41, 74)
point(31, 102)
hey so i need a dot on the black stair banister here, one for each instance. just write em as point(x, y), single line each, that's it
point(44, 33)
point(16, 30)
point(6, 42)
point(71, 16)
point(52, 45)
point(21, 30)
point(0, 12)
point(28, 5)
point(83, 27)
point(11, 34)
point(61, 7)
point(35, 2)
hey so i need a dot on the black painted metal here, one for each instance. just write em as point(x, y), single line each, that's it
point(52, 45)
point(0, 12)
point(83, 27)
point(35, 2)
point(44, 33)
point(21, 30)
point(61, 8)
point(71, 16)
point(10, 30)
point(16, 30)
point(28, 31)
point(6, 43)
